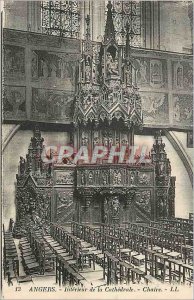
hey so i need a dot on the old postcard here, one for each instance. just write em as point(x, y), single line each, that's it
point(97, 148)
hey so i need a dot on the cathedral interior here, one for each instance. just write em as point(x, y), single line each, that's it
point(116, 76)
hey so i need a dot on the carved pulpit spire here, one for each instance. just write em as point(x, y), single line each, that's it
point(163, 179)
point(37, 140)
point(127, 46)
point(109, 29)
point(129, 70)
point(109, 96)
point(88, 44)
point(159, 156)
point(88, 27)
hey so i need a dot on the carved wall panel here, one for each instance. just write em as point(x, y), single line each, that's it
point(14, 62)
point(43, 207)
point(143, 201)
point(151, 72)
point(56, 68)
point(40, 62)
point(64, 178)
point(43, 180)
point(182, 74)
point(90, 208)
point(120, 208)
point(182, 109)
point(97, 212)
point(114, 177)
point(33, 205)
point(113, 206)
point(155, 108)
point(51, 105)
point(64, 205)
point(126, 192)
point(145, 178)
point(14, 102)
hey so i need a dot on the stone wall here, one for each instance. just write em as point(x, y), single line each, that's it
point(175, 26)
point(166, 24)
point(40, 80)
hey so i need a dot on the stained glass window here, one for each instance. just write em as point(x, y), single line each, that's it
point(123, 12)
point(61, 18)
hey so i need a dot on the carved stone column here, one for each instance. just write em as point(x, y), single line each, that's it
point(151, 24)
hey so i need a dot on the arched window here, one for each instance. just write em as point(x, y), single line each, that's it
point(131, 12)
point(61, 18)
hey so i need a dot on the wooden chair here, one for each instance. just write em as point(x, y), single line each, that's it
point(110, 268)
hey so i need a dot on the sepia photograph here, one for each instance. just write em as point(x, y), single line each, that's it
point(97, 149)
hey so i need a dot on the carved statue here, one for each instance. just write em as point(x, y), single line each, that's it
point(90, 178)
point(84, 140)
point(112, 65)
point(87, 71)
point(115, 206)
point(177, 113)
point(95, 98)
point(117, 142)
point(142, 72)
point(144, 179)
point(106, 210)
point(110, 141)
point(104, 178)
point(105, 218)
point(22, 165)
point(17, 99)
point(96, 140)
point(128, 74)
point(11, 225)
point(105, 141)
point(110, 99)
point(156, 74)
point(83, 180)
point(132, 178)
point(163, 207)
point(155, 103)
point(117, 178)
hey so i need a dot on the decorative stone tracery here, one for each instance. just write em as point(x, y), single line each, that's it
point(114, 95)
